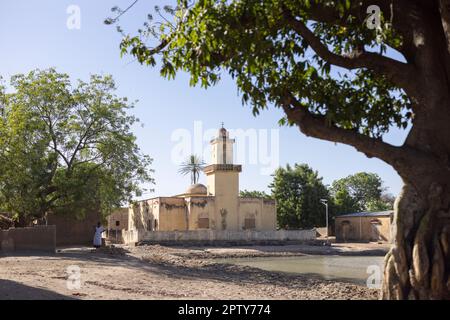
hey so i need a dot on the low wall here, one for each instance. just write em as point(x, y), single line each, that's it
point(215, 236)
point(39, 238)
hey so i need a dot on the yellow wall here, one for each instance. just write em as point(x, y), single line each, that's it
point(120, 215)
point(224, 185)
point(264, 212)
point(201, 207)
point(269, 216)
point(361, 229)
point(176, 213)
point(140, 213)
point(172, 214)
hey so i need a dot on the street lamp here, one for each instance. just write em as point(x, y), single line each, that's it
point(325, 202)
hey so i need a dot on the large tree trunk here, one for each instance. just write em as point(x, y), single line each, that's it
point(418, 264)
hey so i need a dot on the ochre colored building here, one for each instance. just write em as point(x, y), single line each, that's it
point(364, 226)
point(216, 206)
point(118, 220)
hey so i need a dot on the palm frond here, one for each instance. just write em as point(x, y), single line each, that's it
point(193, 165)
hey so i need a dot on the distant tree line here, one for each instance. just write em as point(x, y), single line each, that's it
point(298, 190)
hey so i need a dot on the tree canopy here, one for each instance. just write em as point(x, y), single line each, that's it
point(66, 148)
point(362, 191)
point(298, 191)
point(254, 194)
point(266, 46)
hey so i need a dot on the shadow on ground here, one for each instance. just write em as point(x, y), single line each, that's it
point(12, 290)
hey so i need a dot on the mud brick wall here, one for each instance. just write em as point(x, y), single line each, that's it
point(72, 231)
point(39, 238)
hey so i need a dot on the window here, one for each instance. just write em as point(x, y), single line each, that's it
point(117, 223)
point(156, 224)
point(203, 223)
point(249, 223)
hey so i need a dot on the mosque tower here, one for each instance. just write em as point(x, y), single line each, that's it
point(223, 181)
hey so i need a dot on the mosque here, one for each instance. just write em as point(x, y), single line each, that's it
point(216, 206)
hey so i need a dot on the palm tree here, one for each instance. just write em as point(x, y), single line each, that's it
point(193, 165)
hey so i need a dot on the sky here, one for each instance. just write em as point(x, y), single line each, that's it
point(174, 115)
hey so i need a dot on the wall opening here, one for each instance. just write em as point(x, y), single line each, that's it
point(149, 225)
point(249, 223)
point(203, 223)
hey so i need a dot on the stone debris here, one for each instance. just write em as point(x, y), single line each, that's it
point(111, 250)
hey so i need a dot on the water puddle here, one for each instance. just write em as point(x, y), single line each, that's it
point(353, 269)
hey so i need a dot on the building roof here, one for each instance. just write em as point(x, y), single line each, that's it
point(367, 214)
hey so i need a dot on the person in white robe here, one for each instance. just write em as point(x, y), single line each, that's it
point(98, 235)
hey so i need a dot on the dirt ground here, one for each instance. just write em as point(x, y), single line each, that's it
point(157, 272)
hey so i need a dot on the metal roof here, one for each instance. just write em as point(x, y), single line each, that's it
point(367, 214)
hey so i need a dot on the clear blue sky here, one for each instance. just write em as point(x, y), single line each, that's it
point(34, 35)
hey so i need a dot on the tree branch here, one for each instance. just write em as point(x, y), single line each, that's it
point(399, 73)
point(318, 126)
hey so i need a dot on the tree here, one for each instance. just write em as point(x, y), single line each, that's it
point(254, 194)
point(65, 148)
point(344, 75)
point(364, 189)
point(378, 205)
point(298, 191)
point(193, 166)
point(343, 202)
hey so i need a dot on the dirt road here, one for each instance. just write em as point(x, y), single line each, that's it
point(156, 272)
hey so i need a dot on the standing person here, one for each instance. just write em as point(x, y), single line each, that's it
point(98, 235)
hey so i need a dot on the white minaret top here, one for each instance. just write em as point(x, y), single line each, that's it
point(222, 148)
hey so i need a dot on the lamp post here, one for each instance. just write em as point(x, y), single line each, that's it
point(325, 202)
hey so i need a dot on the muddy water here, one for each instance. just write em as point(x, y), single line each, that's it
point(353, 269)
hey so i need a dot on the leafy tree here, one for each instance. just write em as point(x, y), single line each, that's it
point(193, 166)
point(331, 67)
point(363, 188)
point(65, 148)
point(343, 202)
point(298, 191)
point(254, 194)
point(385, 202)
point(378, 205)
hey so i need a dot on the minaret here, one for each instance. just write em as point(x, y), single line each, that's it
point(222, 148)
point(223, 181)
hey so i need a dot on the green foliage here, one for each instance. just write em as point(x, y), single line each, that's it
point(65, 148)
point(343, 202)
point(193, 166)
point(298, 191)
point(254, 194)
point(360, 192)
point(256, 44)
point(378, 205)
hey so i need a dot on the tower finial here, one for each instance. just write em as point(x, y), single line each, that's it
point(222, 124)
